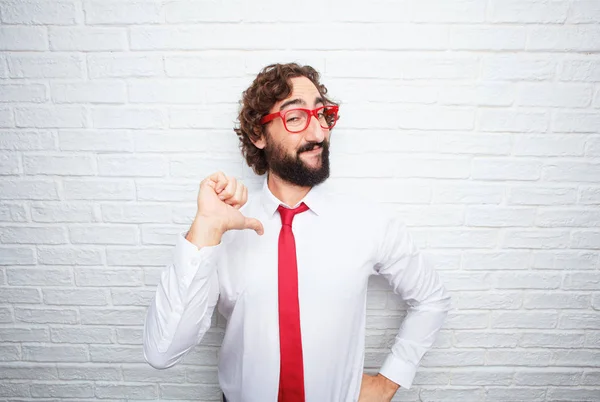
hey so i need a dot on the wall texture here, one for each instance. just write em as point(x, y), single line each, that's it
point(478, 119)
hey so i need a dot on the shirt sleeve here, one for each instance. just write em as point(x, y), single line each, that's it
point(182, 308)
point(412, 277)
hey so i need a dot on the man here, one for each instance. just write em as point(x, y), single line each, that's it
point(293, 288)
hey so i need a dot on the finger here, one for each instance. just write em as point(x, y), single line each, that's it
point(254, 224)
point(236, 199)
point(229, 190)
point(220, 181)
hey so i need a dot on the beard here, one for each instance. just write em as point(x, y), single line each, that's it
point(293, 169)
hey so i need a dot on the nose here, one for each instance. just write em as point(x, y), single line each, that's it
point(314, 132)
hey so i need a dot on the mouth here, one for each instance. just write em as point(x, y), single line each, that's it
point(314, 151)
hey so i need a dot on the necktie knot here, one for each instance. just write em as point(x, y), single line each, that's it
point(287, 214)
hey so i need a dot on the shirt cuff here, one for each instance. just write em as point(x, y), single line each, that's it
point(399, 371)
point(191, 262)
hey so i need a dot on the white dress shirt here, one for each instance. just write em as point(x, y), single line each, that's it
point(339, 244)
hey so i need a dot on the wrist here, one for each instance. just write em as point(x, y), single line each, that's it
point(205, 232)
point(389, 386)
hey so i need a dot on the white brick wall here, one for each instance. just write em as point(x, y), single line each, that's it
point(479, 120)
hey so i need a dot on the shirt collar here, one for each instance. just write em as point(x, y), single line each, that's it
point(314, 199)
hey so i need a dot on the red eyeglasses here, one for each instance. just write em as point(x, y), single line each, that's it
point(296, 120)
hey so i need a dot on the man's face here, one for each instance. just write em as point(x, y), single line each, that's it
point(299, 158)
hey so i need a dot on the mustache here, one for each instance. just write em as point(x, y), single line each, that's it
point(309, 146)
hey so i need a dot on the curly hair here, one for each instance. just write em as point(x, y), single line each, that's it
point(270, 86)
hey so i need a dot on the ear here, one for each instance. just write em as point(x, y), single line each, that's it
point(261, 142)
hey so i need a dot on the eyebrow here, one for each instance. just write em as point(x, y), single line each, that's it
point(299, 101)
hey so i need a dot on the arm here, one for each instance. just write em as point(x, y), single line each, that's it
point(181, 311)
point(414, 279)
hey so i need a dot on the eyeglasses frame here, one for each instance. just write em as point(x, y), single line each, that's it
point(311, 113)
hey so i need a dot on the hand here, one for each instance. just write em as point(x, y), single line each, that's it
point(219, 199)
point(377, 388)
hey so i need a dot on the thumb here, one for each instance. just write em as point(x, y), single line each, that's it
point(254, 224)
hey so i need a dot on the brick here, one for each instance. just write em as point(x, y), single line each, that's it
point(66, 165)
point(430, 215)
point(527, 280)
point(528, 11)
point(50, 116)
point(95, 372)
point(145, 373)
point(504, 260)
point(74, 335)
point(161, 235)
point(129, 336)
point(487, 38)
point(201, 375)
point(120, 65)
point(590, 378)
point(517, 67)
point(13, 213)
point(515, 394)
point(51, 212)
point(115, 189)
point(479, 238)
point(565, 260)
point(485, 339)
point(135, 213)
point(488, 144)
point(44, 65)
point(502, 120)
point(542, 195)
point(28, 189)
point(578, 38)
point(575, 122)
point(589, 195)
point(25, 335)
point(518, 358)
point(193, 11)
point(40, 12)
point(122, 12)
point(202, 167)
point(139, 166)
point(204, 392)
point(76, 297)
point(132, 296)
point(6, 118)
point(9, 163)
point(185, 141)
point(470, 281)
point(116, 354)
point(14, 390)
point(571, 171)
point(520, 319)
point(452, 394)
point(482, 376)
point(6, 315)
point(592, 147)
point(584, 11)
point(98, 316)
point(549, 145)
point(467, 320)
point(581, 281)
point(24, 140)
point(87, 39)
point(468, 11)
point(568, 218)
point(554, 95)
point(70, 255)
point(20, 295)
point(80, 390)
point(186, 91)
point(32, 235)
point(27, 372)
point(95, 140)
point(577, 320)
point(130, 256)
point(55, 353)
point(111, 234)
point(467, 193)
point(505, 169)
point(89, 92)
point(108, 277)
point(23, 38)
point(441, 358)
point(585, 239)
point(9, 353)
point(39, 277)
point(203, 66)
point(46, 316)
point(166, 191)
point(499, 217)
point(556, 301)
point(575, 358)
point(211, 117)
point(130, 391)
point(23, 93)
point(536, 239)
point(553, 339)
point(569, 394)
point(128, 117)
point(586, 70)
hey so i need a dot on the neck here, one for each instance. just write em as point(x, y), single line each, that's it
point(286, 192)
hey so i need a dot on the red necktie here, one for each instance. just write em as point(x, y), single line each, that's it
point(291, 374)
